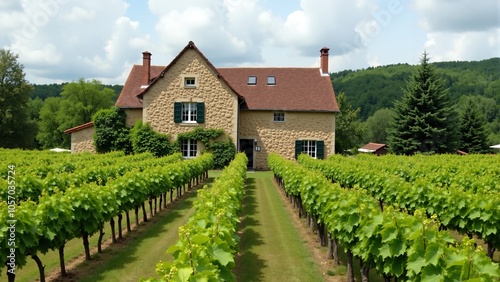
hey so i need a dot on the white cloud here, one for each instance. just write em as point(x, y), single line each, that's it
point(80, 14)
point(461, 29)
point(459, 15)
point(62, 40)
point(227, 31)
point(472, 45)
point(44, 56)
point(235, 32)
point(325, 23)
point(373, 60)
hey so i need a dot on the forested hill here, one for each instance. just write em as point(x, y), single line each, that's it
point(378, 87)
point(44, 91)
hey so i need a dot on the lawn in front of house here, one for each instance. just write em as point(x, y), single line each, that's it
point(271, 248)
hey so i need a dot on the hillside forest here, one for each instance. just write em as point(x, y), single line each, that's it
point(374, 90)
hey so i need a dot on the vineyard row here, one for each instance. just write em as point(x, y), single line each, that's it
point(456, 208)
point(395, 244)
point(79, 212)
point(207, 243)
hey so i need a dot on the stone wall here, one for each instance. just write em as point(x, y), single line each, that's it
point(279, 137)
point(221, 104)
point(82, 141)
point(133, 115)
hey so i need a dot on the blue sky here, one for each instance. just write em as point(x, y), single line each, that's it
point(63, 40)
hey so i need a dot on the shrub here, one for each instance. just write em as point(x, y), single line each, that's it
point(146, 139)
point(224, 152)
point(111, 134)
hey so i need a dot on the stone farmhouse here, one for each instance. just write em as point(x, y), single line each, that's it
point(285, 110)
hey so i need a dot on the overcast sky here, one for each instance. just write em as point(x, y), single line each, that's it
point(63, 40)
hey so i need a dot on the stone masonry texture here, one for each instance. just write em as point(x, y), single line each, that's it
point(279, 137)
point(221, 104)
point(82, 141)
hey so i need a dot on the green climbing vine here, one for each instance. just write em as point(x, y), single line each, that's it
point(223, 150)
point(204, 135)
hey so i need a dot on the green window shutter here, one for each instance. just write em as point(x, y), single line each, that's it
point(200, 112)
point(177, 112)
point(298, 148)
point(320, 149)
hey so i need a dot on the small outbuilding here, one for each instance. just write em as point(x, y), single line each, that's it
point(374, 148)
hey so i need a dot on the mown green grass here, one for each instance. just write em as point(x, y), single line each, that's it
point(146, 247)
point(270, 246)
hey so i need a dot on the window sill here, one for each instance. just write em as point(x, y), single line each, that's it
point(187, 124)
point(190, 86)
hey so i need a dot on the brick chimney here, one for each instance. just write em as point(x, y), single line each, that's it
point(146, 67)
point(324, 60)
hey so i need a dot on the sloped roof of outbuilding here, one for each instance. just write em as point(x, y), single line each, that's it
point(371, 147)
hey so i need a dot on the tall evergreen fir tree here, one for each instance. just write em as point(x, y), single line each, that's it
point(472, 133)
point(424, 120)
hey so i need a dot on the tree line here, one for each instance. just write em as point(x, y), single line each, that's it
point(441, 107)
point(376, 88)
point(35, 116)
point(431, 108)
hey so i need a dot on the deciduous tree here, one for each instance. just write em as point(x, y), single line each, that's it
point(348, 127)
point(377, 125)
point(51, 128)
point(16, 128)
point(82, 99)
point(79, 101)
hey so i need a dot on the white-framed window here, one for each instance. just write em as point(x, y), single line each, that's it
point(310, 147)
point(189, 82)
point(271, 80)
point(189, 112)
point(314, 148)
point(189, 148)
point(279, 117)
point(252, 80)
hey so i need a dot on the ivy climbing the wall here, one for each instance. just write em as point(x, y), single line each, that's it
point(223, 149)
point(146, 139)
point(111, 134)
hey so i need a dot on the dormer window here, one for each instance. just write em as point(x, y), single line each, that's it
point(252, 80)
point(271, 80)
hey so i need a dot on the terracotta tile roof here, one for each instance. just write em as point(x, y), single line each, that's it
point(371, 147)
point(132, 87)
point(79, 127)
point(296, 89)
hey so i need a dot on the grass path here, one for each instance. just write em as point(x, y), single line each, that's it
point(270, 246)
point(137, 258)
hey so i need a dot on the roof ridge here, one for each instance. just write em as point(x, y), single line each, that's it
point(192, 46)
point(314, 68)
